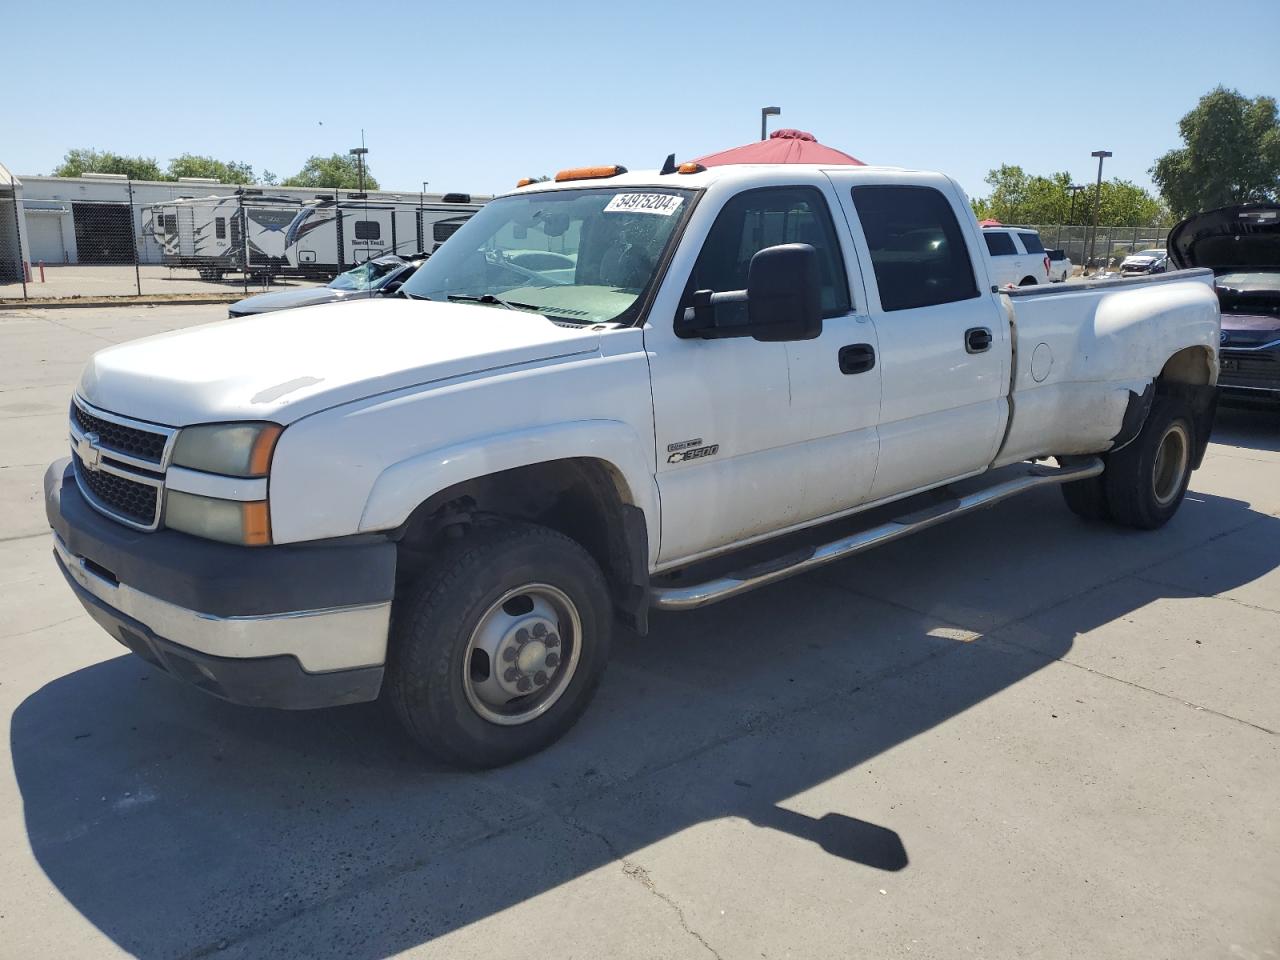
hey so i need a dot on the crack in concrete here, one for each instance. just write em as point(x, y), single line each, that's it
point(637, 872)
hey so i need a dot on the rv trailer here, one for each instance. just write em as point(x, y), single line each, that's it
point(221, 234)
point(330, 235)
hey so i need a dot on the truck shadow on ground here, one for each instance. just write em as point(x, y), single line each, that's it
point(182, 826)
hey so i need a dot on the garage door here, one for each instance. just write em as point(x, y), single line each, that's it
point(44, 237)
point(104, 232)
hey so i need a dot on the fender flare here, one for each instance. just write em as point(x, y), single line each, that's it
point(403, 486)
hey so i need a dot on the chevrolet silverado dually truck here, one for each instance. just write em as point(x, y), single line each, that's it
point(605, 394)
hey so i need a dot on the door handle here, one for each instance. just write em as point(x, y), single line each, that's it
point(977, 340)
point(857, 358)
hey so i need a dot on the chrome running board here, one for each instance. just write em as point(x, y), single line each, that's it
point(808, 558)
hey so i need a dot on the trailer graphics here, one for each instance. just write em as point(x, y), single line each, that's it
point(327, 237)
point(220, 234)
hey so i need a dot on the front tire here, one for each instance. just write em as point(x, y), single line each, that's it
point(1146, 480)
point(497, 650)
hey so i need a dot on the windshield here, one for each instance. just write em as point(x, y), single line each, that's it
point(1250, 281)
point(582, 256)
point(365, 276)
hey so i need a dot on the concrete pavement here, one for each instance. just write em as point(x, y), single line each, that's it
point(1014, 735)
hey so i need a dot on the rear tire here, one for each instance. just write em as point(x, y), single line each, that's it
point(497, 650)
point(1146, 481)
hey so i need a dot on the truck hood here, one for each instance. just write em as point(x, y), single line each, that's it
point(286, 365)
point(1227, 239)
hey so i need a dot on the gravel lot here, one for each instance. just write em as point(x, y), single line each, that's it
point(1012, 736)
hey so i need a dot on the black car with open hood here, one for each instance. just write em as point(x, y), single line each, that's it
point(1241, 245)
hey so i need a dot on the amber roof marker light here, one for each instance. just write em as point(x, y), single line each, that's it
point(590, 173)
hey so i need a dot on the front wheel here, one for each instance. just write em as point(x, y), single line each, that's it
point(1146, 481)
point(499, 648)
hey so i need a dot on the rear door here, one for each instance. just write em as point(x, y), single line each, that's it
point(1037, 262)
point(1005, 258)
point(943, 339)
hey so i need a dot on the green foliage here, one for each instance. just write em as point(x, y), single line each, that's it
point(336, 172)
point(1231, 154)
point(1017, 197)
point(190, 165)
point(80, 161)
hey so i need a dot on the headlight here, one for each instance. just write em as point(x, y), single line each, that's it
point(231, 449)
point(247, 523)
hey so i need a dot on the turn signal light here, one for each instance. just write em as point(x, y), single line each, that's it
point(524, 181)
point(690, 167)
point(257, 523)
point(589, 173)
point(263, 446)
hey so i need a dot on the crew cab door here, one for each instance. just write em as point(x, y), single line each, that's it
point(944, 341)
point(756, 437)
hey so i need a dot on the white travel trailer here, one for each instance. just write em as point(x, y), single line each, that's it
point(218, 234)
point(328, 236)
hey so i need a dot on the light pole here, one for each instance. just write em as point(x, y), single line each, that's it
point(765, 114)
point(1097, 199)
point(422, 219)
point(1075, 188)
point(359, 154)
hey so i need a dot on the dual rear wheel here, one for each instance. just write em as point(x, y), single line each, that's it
point(1145, 481)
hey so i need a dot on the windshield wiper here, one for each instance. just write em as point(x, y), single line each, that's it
point(490, 298)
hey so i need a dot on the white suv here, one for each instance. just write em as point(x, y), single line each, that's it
point(1017, 256)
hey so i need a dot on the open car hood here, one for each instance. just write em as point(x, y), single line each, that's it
point(1231, 238)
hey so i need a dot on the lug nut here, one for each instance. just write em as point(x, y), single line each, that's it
point(522, 635)
point(523, 685)
point(551, 660)
point(509, 654)
point(539, 630)
point(552, 640)
point(539, 678)
point(511, 674)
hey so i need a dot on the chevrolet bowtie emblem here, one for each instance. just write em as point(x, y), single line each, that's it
point(88, 451)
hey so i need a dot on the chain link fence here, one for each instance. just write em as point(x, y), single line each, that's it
point(1109, 247)
point(223, 246)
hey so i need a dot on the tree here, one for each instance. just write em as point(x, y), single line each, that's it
point(336, 172)
point(1018, 198)
point(1231, 154)
point(80, 160)
point(269, 178)
point(190, 165)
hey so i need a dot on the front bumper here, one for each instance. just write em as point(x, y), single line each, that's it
point(1250, 372)
point(292, 626)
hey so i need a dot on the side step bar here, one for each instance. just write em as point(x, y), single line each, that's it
point(701, 594)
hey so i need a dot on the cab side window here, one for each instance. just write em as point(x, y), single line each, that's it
point(756, 219)
point(917, 249)
point(999, 244)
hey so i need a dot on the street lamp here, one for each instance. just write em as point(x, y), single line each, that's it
point(422, 219)
point(765, 114)
point(359, 154)
point(1075, 188)
point(1097, 198)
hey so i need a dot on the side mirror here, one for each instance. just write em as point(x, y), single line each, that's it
point(784, 294)
point(783, 298)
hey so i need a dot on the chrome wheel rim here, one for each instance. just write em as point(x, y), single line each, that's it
point(522, 654)
point(1172, 457)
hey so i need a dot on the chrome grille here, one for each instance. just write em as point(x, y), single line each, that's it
point(119, 463)
point(135, 441)
point(118, 495)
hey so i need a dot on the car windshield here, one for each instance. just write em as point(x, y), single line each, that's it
point(582, 256)
point(1250, 281)
point(365, 276)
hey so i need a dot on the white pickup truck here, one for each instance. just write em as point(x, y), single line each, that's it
point(614, 392)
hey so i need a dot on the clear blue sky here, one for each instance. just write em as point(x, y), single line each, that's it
point(472, 96)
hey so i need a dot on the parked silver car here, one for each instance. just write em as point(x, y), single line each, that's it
point(373, 278)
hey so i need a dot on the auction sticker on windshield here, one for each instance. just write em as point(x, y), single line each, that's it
point(663, 204)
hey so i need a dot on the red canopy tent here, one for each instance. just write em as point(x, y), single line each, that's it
point(990, 223)
point(783, 146)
